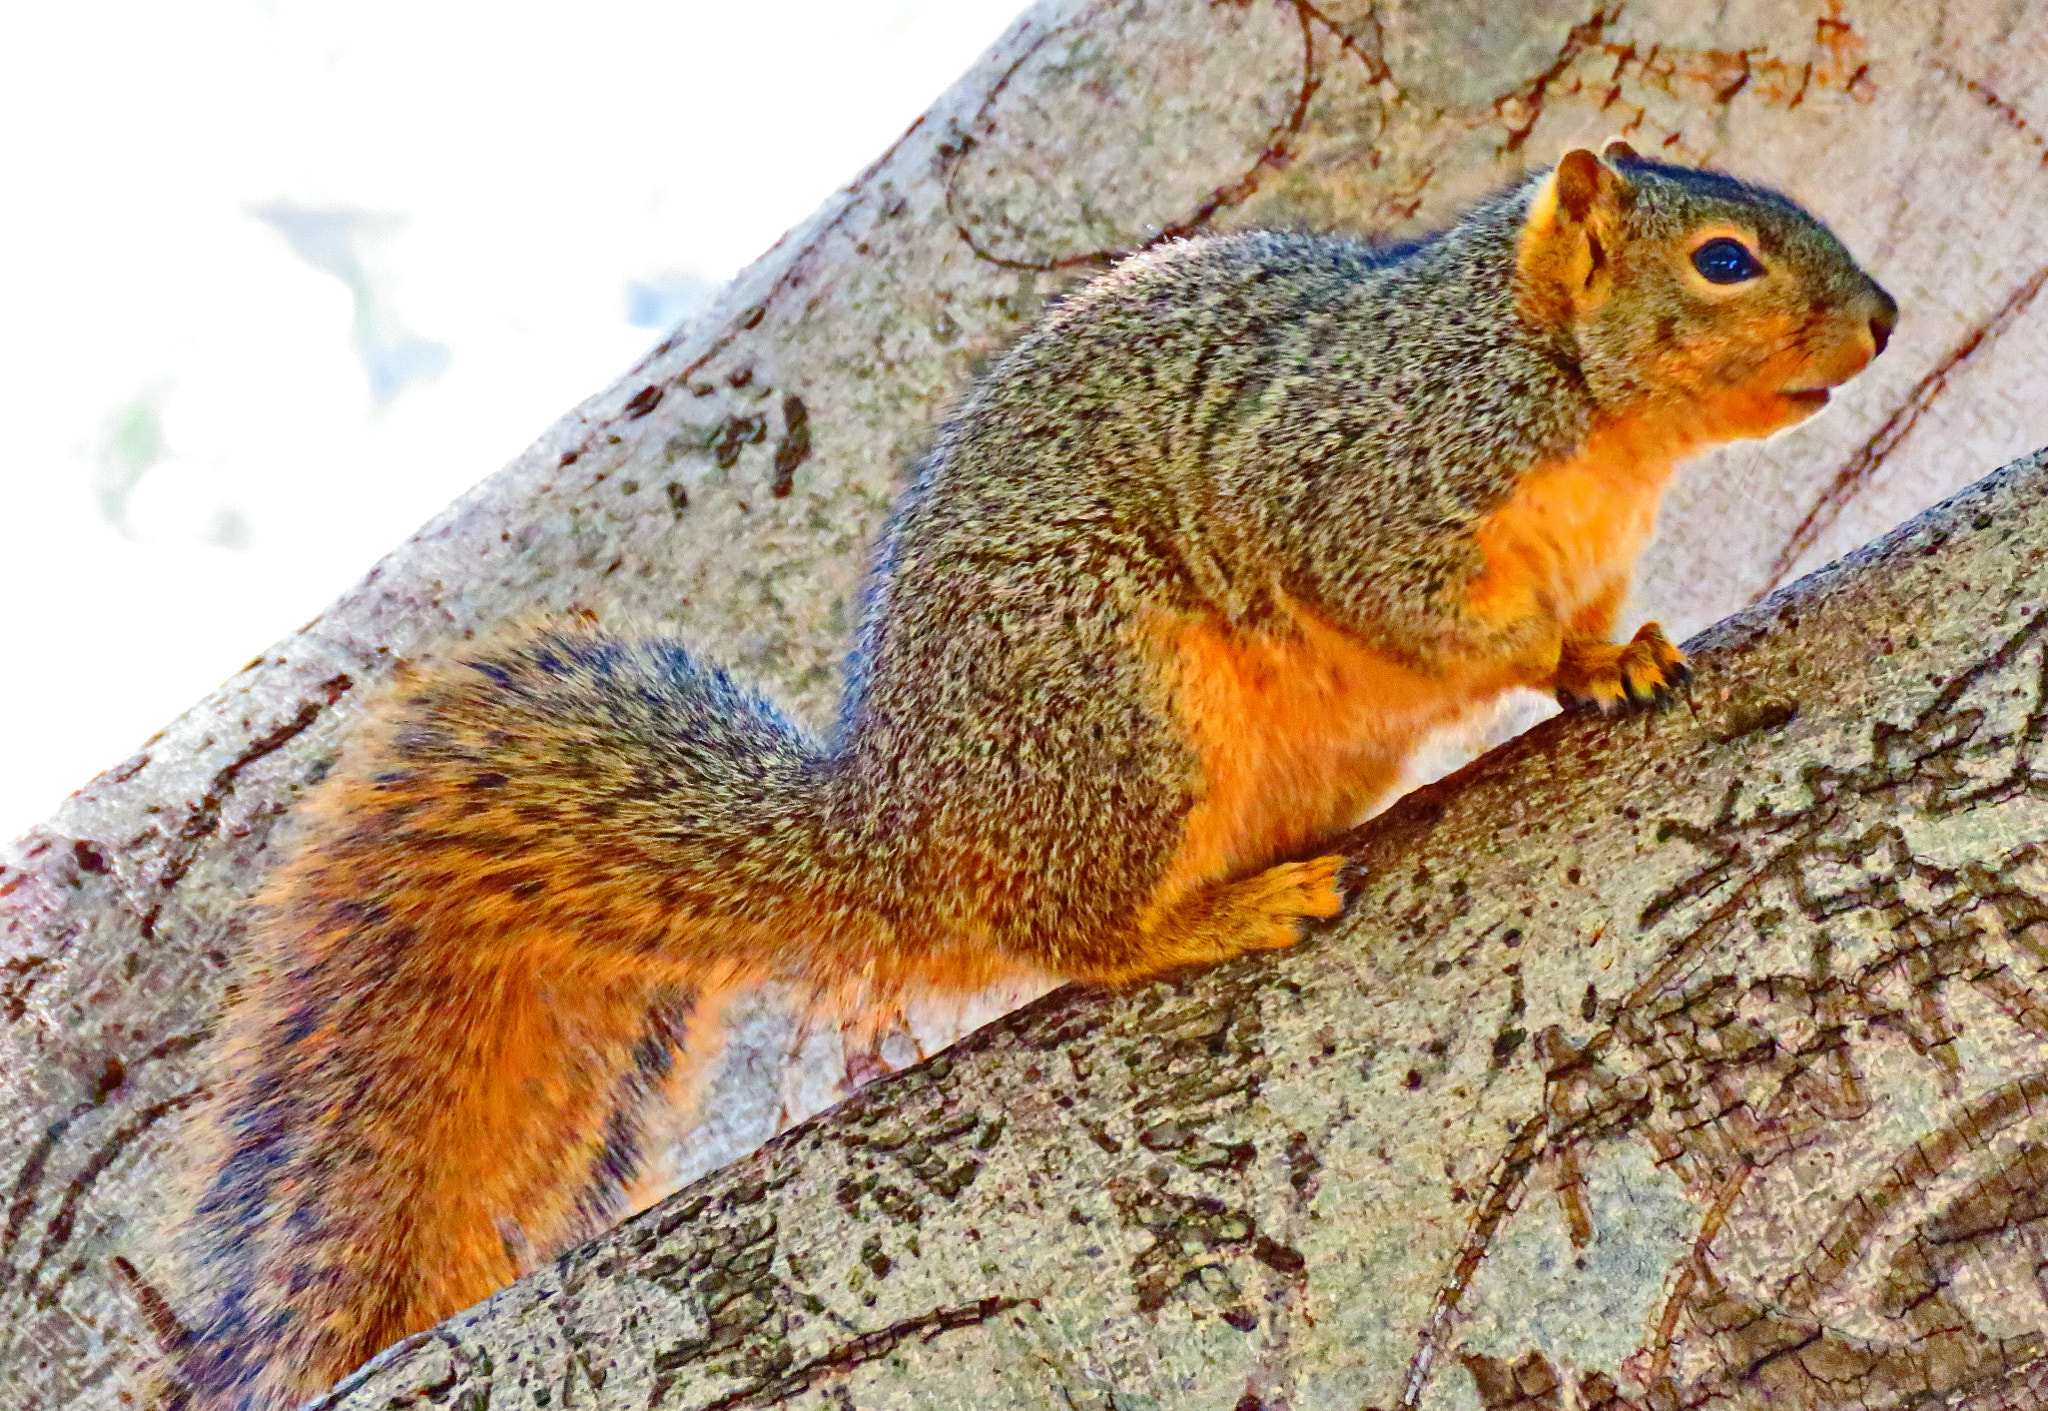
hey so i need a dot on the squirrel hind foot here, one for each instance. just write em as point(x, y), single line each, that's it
point(1266, 911)
point(1283, 897)
point(1643, 673)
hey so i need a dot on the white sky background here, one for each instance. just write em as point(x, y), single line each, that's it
point(278, 279)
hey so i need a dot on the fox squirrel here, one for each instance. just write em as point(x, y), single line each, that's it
point(1178, 588)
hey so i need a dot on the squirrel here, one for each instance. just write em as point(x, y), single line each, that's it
point(1180, 585)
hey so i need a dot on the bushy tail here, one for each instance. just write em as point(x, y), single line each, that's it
point(512, 909)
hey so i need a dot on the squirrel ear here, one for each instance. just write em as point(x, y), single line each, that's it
point(1617, 150)
point(1563, 264)
point(1575, 183)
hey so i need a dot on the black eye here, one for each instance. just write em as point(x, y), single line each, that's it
point(1725, 261)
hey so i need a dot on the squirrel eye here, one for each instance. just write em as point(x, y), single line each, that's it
point(1726, 261)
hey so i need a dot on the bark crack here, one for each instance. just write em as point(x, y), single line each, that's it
point(768, 1391)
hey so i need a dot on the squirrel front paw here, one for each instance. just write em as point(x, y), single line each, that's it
point(1644, 672)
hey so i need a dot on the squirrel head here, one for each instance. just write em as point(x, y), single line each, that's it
point(1679, 288)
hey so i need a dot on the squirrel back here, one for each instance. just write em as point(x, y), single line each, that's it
point(1169, 603)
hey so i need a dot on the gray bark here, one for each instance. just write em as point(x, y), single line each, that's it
point(1692, 1059)
point(727, 487)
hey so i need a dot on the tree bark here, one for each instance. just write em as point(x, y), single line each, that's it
point(1696, 1059)
point(726, 489)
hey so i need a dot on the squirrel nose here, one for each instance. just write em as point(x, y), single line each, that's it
point(1882, 322)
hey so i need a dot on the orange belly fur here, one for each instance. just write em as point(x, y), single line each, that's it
point(1301, 730)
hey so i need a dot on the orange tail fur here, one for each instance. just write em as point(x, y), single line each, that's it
point(510, 920)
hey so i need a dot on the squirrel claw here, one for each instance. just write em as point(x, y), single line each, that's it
point(1643, 673)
